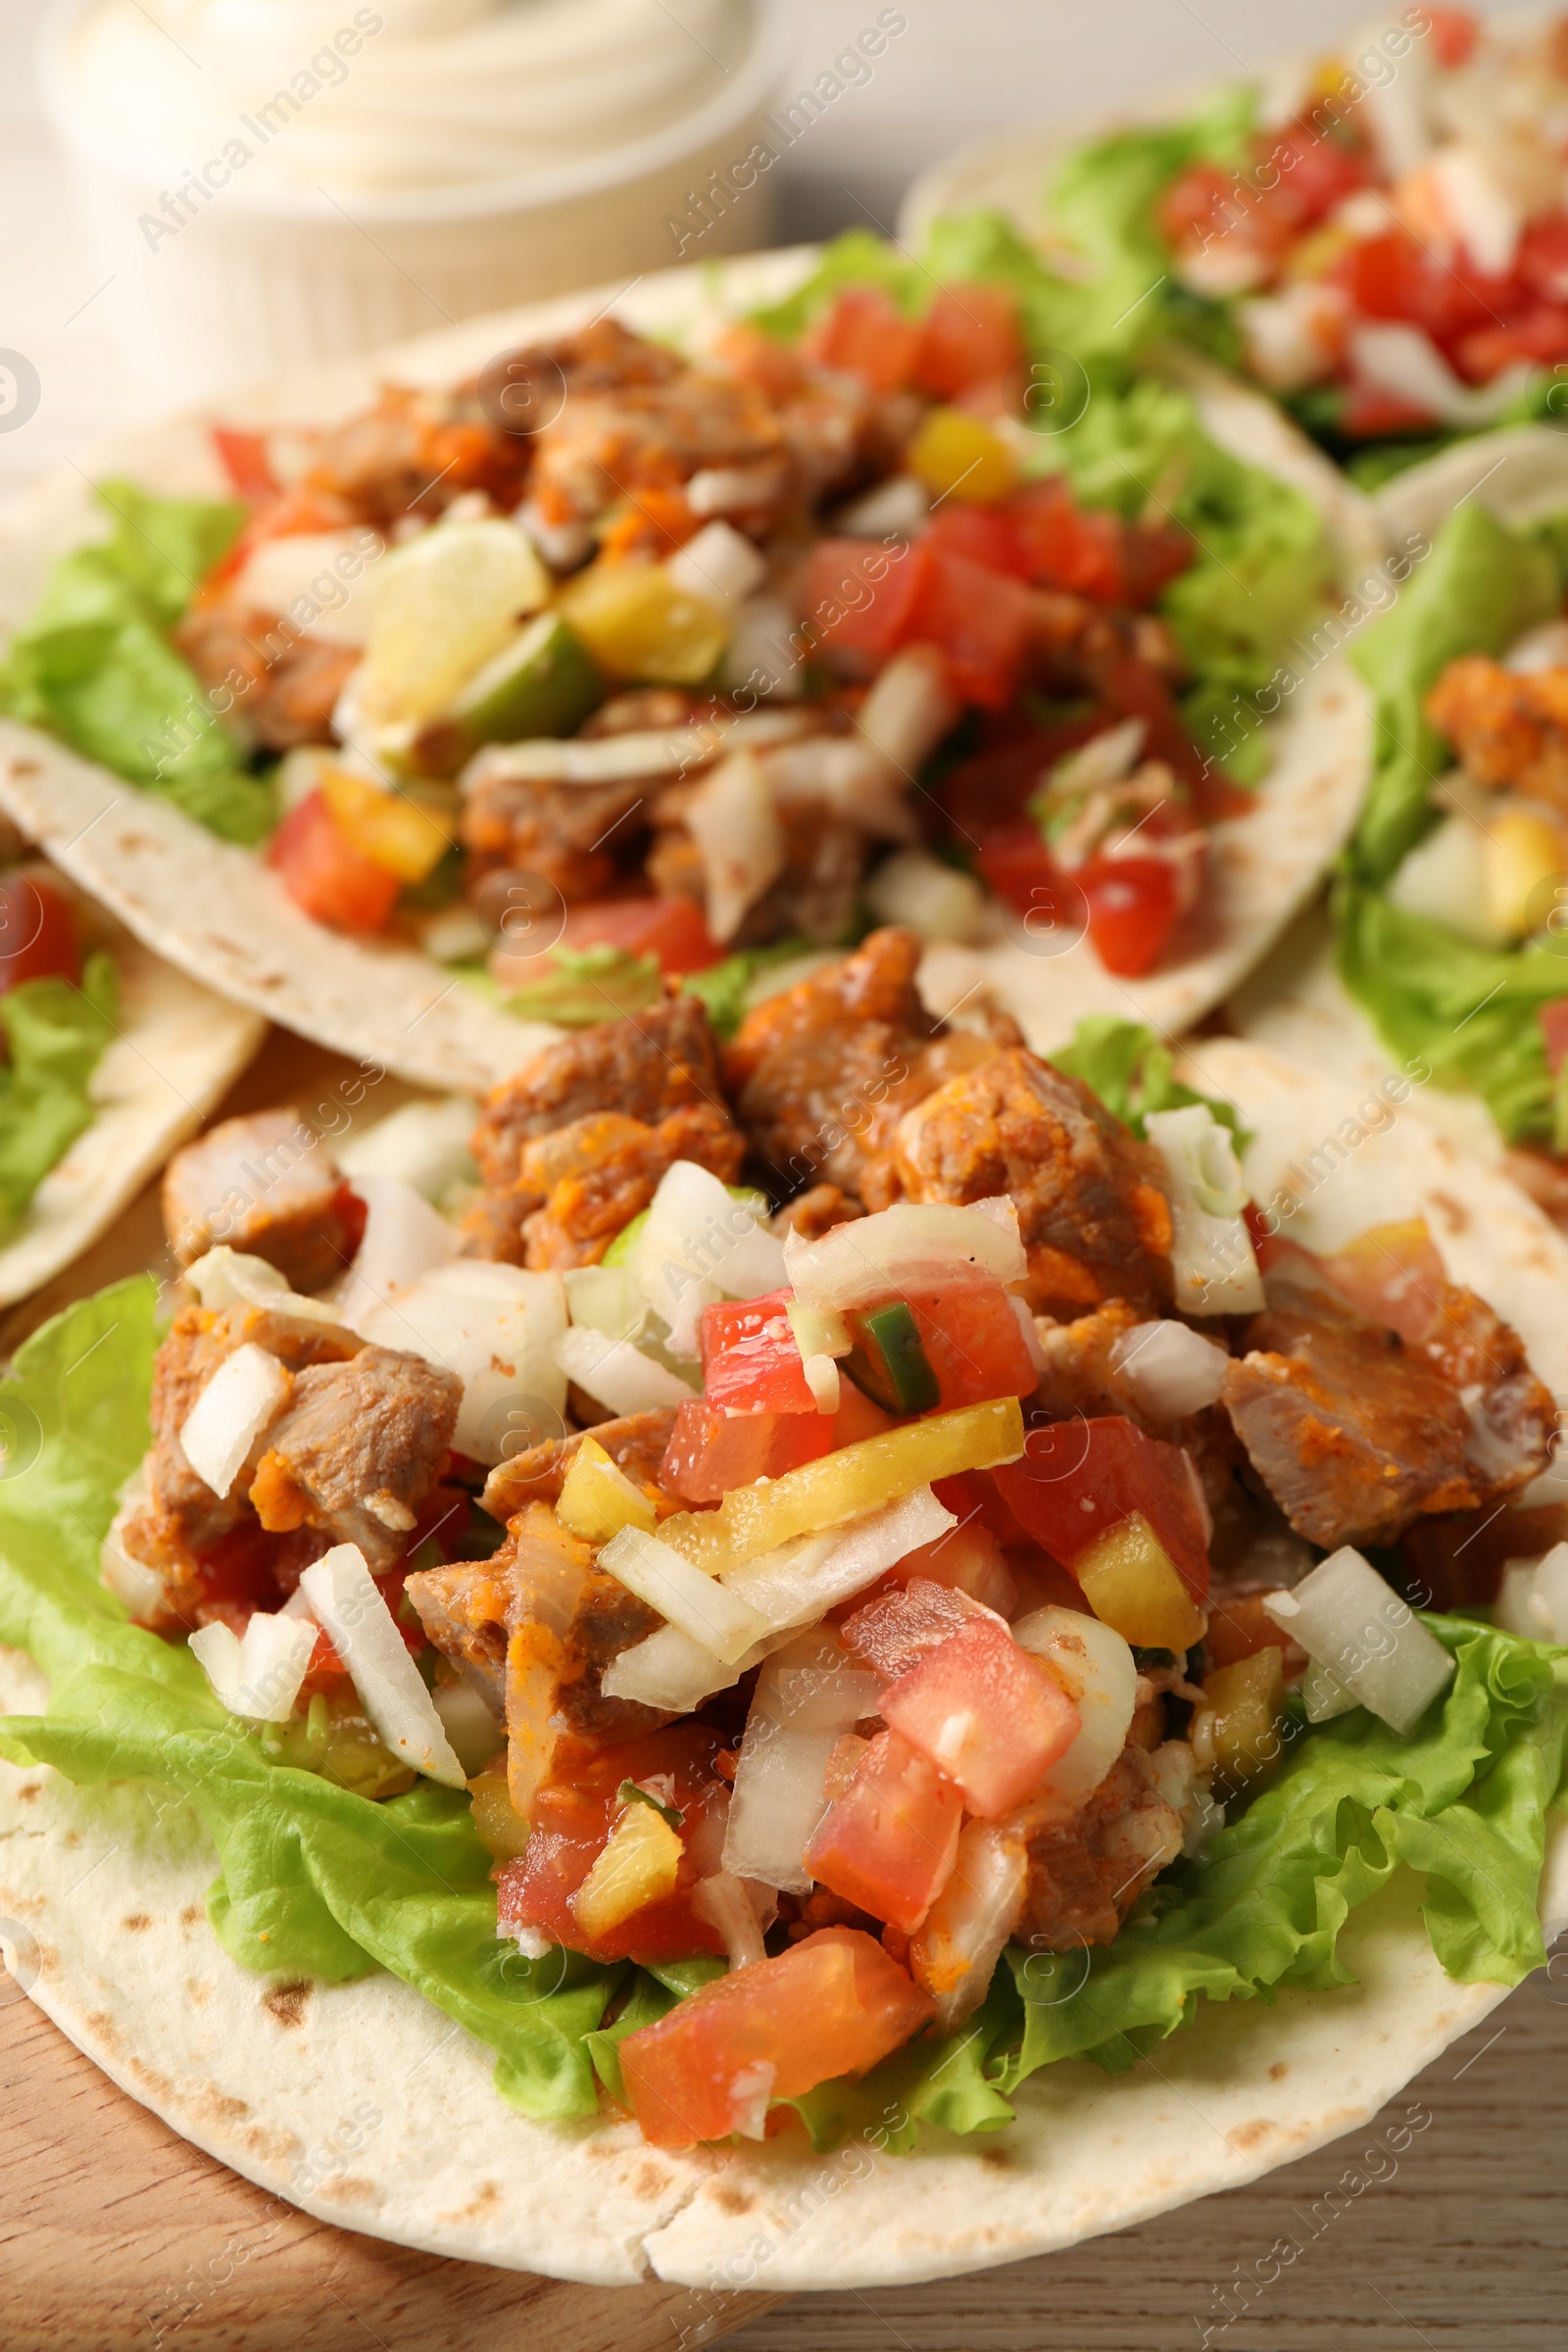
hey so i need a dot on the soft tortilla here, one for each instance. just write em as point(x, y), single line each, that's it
point(364, 2105)
point(177, 1052)
point(219, 914)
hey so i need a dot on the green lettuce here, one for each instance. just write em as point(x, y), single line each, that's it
point(317, 1881)
point(95, 665)
point(55, 1036)
point(1126, 1065)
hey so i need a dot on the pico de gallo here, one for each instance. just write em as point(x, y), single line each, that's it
point(820, 1556)
point(614, 663)
point(1382, 240)
point(58, 1002)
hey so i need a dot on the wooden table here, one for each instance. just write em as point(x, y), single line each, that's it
point(114, 2233)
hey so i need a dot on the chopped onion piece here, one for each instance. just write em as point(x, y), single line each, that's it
point(822, 1379)
point(1096, 1669)
point(698, 1604)
point(391, 1687)
point(404, 1238)
point(423, 1143)
point(244, 1396)
point(1168, 1369)
point(912, 1245)
point(129, 1579)
point(898, 508)
point(722, 1900)
point(800, 1581)
point(806, 1694)
point(497, 1328)
point(957, 1947)
point(1031, 1335)
point(916, 890)
point(761, 653)
point(700, 1244)
point(258, 1674)
point(1323, 1693)
point(1533, 1600)
point(606, 1298)
point(720, 563)
point(1350, 1621)
point(1212, 1255)
point(470, 1725)
point(736, 827)
point(909, 711)
point(1405, 361)
point(618, 1375)
point(227, 1277)
point(670, 1670)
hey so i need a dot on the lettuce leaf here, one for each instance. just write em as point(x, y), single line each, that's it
point(1133, 1073)
point(94, 666)
point(55, 1034)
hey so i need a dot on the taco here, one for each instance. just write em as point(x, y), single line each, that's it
point(1376, 238)
point(109, 1059)
point(532, 663)
point(673, 1840)
point(1443, 954)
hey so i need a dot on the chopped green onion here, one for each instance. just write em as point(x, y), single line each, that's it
point(889, 1362)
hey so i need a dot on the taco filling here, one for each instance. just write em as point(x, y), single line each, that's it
point(58, 1002)
point(865, 1539)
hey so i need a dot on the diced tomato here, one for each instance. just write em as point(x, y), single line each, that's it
point(325, 875)
point(572, 1817)
point(1018, 866)
point(1080, 1478)
point(247, 461)
point(37, 932)
point(984, 1712)
point(752, 1358)
point(982, 624)
point(866, 335)
point(899, 1626)
point(971, 335)
point(1133, 904)
point(710, 1451)
point(974, 1344)
point(755, 358)
point(1197, 206)
point(1543, 258)
point(1066, 546)
point(833, 2005)
point(859, 594)
point(1392, 277)
point(990, 788)
point(1540, 337)
point(1239, 1627)
point(889, 1842)
point(983, 534)
point(1153, 555)
point(1314, 174)
point(1453, 36)
point(1553, 1019)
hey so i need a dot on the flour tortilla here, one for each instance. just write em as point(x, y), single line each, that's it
point(176, 1052)
point(364, 2105)
point(219, 914)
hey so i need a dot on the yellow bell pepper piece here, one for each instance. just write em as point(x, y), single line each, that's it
point(637, 624)
point(1240, 1724)
point(637, 1867)
point(598, 1500)
point(955, 451)
point(843, 1484)
point(387, 827)
point(502, 1830)
point(1519, 851)
point(1129, 1581)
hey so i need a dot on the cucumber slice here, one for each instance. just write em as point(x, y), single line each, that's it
point(544, 683)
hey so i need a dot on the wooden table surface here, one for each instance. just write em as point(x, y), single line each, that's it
point(114, 2233)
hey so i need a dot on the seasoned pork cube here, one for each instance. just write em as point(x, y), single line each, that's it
point(359, 1450)
point(265, 1183)
point(635, 1443)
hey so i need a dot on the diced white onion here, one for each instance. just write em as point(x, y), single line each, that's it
point(912, 1245)
point(1095, 1668)
point(761, 653)
point(720, 563)
point(618, 1375)
point(391, 1687)
point(732, 489)
point(916, 891)
point(1024, 1316)
point(800, 1582)
point(698, 1604)
point(823, 1381)
point(1212, 1258)
point(469, 1723)
point(845, 775)
point(1542, 648)
point(260, 1674)
point(244, 1396)
point(1348, 1618)
point(806, 1694)
point(1533, 1600)
point(1442, 880)
point(1405, 362)
point(497, 1328)
point(722, 1900)
point(908, 709)
point(1323, 1694)
point(898, 508)
point(606, 1298)
point(736, 827)
point(1484, 214)
point(227, 1277)
point(423, 1143)
point(563, 545)
point(404, 1238)
point(1168, 1369)
point(966, 1929)
point(294, 567)
point(594, 759)
point(1291, 337)
point(700, 1244)
point(129, 1579)
point(670, 1670)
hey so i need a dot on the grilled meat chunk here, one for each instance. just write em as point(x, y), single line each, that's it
point(1095, 1222)
point(635, 1443)
point(1086, 1872)
point(358, 1450)
point(415, 450)
point(578, 836)
point(267, 1184)
point(285, 686)
point(1509, 729)
point(1356, 1432)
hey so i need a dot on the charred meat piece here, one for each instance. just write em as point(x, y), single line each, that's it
point(415, 451)
point(1086, 1874)
point(635, 1443)
point(358, 1450)
point(599, 1173)
point(821, 1073)
point(1094, 1220)
point(1356, 1432)
point(1509, 729)
point(267, 1184)
point(609, 445)
point(578, 836)
point(284, 685)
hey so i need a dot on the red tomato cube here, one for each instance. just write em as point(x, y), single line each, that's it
point(751, 1360)
point(1016, 863)
point(325, 875)
point(888, 1842)
point(984, 534)
point(866, 335)
point(974, 1344)
point(1078, 1479)
point(982, 624)
point(671, 929)
point(860, 593)
point(986, 1713)
point(1066, 547)
point(1553, 1019)
point(1133, 904)
point(901, 1627)
point(247, 461)
point(833, 2005)
point(712, 1451)
point(37, 932)
point(971, 335)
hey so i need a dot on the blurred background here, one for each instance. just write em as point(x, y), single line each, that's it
point(957, 69)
